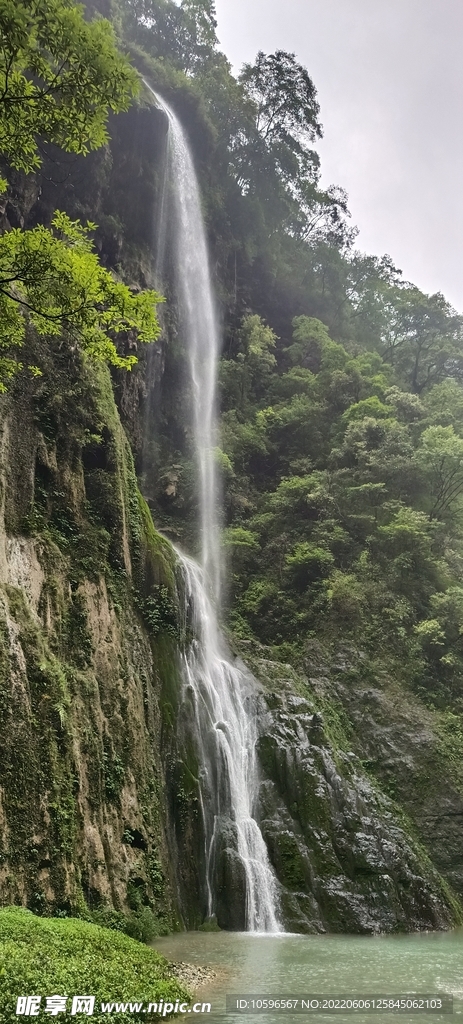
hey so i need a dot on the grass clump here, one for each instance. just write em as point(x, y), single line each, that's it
point(49, 956)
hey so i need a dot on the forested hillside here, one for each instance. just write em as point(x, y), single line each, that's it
point(341, 464)
point(341, 397)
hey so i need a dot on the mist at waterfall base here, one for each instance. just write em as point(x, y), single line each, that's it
point(218, 698)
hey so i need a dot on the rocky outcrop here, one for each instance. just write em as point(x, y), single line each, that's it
point(413, 752)
point(347, 858)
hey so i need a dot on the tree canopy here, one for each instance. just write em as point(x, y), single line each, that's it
point(59, 78)
point(285, 99)
point(54, 279)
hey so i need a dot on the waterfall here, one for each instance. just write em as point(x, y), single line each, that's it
point(222, 697)
point(221, 693)
point(199, 324)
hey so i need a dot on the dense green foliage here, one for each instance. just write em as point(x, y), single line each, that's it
point(53, 957)
point(59, 78)
point(54, 276)
point(342, 406)
point(345, 502)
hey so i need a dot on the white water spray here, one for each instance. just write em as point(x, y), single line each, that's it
point(222, 694)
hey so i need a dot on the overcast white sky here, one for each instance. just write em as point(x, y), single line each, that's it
point(389, 76)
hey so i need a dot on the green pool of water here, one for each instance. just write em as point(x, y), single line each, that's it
point(327, 965)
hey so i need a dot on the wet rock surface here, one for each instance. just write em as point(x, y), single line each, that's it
point(402, 744)
point(341, 850)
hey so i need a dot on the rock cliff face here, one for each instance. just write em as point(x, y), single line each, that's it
point(85, 659)
point(360, 801)
point(336, 842)
point(407, 748)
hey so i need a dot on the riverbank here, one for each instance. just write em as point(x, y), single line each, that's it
point(50, 957)
point(193, 976)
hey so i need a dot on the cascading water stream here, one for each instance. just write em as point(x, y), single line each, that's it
point(222, 697)
point(199, 323)
point(221, 693)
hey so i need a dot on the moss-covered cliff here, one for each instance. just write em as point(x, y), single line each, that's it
point(88, 643)
point(354, 808)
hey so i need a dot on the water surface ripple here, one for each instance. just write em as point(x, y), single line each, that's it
point(323, 964)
